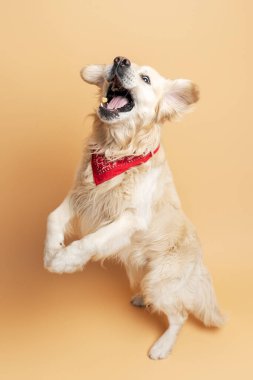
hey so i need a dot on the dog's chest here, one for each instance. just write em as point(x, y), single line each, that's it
point(102, 204)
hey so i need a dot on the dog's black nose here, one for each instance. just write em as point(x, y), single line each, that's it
point(122, 61)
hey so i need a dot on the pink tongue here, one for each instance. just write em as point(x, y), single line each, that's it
point(117, 102)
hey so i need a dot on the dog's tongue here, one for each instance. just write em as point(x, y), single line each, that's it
point(117, 102)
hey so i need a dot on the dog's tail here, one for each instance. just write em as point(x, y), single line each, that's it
point(206, 307)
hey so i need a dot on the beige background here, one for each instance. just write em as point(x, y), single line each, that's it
point(81, 326)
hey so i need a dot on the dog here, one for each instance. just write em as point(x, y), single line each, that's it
point(125, 202)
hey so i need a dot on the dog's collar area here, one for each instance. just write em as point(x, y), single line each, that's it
point(104, 170)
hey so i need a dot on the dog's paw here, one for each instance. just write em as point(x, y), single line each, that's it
point(138, 301)
point(159, 351)
point(52, 247)
point(50, 253)
point(63, 263)
point(69, 259)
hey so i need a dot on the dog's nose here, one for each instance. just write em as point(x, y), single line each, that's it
point(122, 61)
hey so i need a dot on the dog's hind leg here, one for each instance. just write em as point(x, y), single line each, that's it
point(163, 346)
point(163, 288)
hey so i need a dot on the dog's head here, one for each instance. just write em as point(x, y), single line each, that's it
point(138, 94)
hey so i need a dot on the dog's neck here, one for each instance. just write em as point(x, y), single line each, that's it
point(125, 140)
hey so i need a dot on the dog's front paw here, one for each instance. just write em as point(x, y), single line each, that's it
point(50, 253)
point(52, 247)
point(63, 263)
point(69, 259)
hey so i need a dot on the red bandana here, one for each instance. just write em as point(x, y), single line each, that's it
point(103, 169)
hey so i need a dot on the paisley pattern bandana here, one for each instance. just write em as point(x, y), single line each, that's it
point(104, 170)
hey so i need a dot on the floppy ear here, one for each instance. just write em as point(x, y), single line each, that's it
point(93, 74)
point(177, 98)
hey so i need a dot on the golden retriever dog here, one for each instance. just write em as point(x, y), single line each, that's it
point(126, 204)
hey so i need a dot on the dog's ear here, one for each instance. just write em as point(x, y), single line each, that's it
point(93, 74)
point(178, 96)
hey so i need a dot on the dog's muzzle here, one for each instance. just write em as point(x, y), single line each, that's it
point(118, 99)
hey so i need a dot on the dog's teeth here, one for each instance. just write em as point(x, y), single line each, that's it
point(104, 100)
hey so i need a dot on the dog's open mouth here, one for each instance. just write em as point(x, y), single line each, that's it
point(118, 99)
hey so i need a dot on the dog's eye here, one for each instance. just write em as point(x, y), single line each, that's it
point(146, 79)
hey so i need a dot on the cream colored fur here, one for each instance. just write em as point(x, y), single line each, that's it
point(136, 216)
